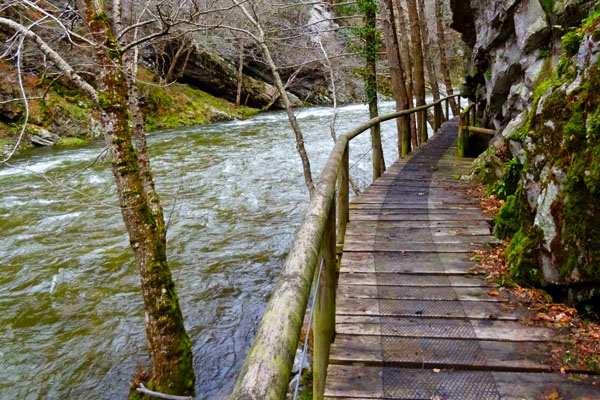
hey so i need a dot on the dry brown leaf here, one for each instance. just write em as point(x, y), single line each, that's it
point(493, 293)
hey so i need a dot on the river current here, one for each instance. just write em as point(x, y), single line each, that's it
point(71, 320)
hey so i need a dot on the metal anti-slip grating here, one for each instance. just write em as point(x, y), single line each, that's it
point(443, 385)
point(446, 352)
point(421, 308)
point(426, 327)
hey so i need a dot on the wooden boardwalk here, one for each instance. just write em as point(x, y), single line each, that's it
point(411, 322)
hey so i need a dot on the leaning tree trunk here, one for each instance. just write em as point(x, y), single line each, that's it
point(370, 48)
point(441, 39)
point(408, 64)
point(291, 117)
point(170, 347)
point(418, 60)
point(398, 80)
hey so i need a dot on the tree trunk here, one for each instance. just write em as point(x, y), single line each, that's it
point(240, 76)
point(398, 80)
point(170, 347)
point(370, 49)
point(418, 62)
point(291, 117)
point(431, 73)
point(441, 39)
point(408, 64)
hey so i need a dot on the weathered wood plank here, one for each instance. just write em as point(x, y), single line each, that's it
point(441, 353)
point(360, 382)
point(421, 293)
point(408, 263)
point(408, 280)
point(414, 326)
point(428, 308)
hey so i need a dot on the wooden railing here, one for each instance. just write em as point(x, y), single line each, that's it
point(467, 124)
point(266, 371)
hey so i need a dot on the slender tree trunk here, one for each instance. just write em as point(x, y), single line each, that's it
point(398, 80)
point(170, 347)
point(291, 117)
point(183, 49)
point(431, 73)
point(408, 64)
point(441, 40)
point(240, 76)
point(370, 49)
point(418, 60)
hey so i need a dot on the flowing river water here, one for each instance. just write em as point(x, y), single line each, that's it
point(71, 320)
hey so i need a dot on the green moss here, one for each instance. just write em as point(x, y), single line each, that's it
point(522, 256)
point(548, 6)
point(510, 217)
point(71, 141)
point(571, 42)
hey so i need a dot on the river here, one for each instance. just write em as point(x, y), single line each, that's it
point(72, 325)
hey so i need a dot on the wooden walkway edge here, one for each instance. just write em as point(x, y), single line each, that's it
point(411, 321)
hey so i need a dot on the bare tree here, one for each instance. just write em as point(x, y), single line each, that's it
point(407, 64)
point(418, 61)
point(170, 347)
point(441, 40)
point(261, 39)
point(398, 79)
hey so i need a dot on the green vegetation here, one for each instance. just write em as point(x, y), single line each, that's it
point(548, 6)
point(570, 43)
point(61, 109)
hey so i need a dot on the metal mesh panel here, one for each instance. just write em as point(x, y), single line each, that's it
point(444, 385)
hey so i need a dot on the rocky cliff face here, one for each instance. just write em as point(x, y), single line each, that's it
point(540, 85)
point(513, 46)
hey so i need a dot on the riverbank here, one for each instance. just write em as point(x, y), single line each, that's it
point(61, 116)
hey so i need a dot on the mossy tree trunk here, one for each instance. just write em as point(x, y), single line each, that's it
point(369, 36)
point(398, 79)
point(170, 347)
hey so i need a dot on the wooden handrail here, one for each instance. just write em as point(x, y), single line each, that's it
point(268, 365)
point(467, 124)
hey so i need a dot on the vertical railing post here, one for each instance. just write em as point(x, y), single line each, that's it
point(406, 144)
point(343, 210)
point(463, 133)
point(473, 118)
point(423, 125)
point(436, 118)
point(324, 313)
point(448, 110)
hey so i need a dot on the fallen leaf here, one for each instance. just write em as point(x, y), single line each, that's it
point(493, 293)
point(562, 370)
point(437, 370)
point(351, 272)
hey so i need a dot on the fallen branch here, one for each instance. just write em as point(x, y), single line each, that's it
point(142, 389)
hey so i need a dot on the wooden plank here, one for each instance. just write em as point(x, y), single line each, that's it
point(441, 353)
point(428, 308)
point(408, 280)
point(419, 247)
point(363, 382)
point(421, 293)
point(409, 263)
point(401, 233)
point(392, 225)
point(455, 328)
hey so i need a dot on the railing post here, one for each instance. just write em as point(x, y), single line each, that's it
point(406, 144)
point(473, 118)
point(436, 118)
point(343, 210)
point(463, 133)
point(423, 125)
point(447, 109)
point(324, 313)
